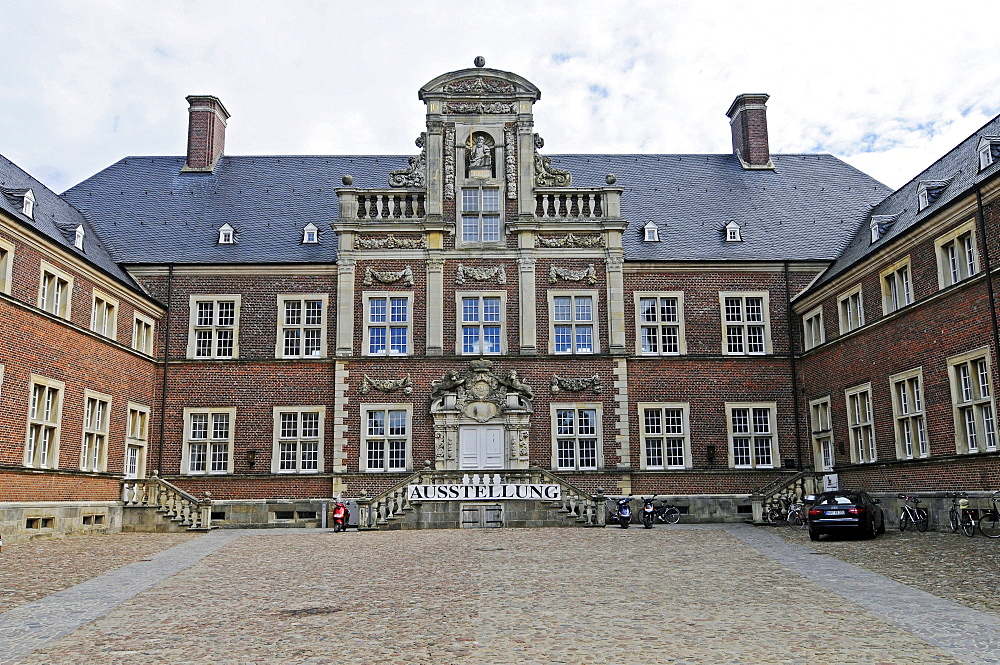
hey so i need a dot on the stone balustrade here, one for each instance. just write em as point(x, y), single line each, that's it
point(562, 203)
point(789, 489)
point(382, 205)
point(172, 502)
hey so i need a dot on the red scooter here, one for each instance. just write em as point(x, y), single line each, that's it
point(341, 516)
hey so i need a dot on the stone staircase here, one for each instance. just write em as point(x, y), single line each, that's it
point(787, 488)
point(509, 498)
point(153, 504)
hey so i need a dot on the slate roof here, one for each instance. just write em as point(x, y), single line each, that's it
point(959, 168)
point(56, 219)
point(150, 212)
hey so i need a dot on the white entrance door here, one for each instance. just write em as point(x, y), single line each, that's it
point(481, 446)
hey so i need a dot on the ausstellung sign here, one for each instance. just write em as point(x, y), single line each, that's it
point(483, 492)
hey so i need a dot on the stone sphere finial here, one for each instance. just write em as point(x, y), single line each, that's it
point(480, 61)
point(610, 179)
point(348, 180)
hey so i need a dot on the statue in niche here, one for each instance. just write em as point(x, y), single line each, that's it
point(479, 155)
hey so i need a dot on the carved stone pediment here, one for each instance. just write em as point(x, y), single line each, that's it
point(373, 276)
point(480, 392)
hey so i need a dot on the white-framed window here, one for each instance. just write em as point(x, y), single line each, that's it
point(78, 237)
point(6, 265)
point(822, 434)
point(104, 315)
point(576, 436)
point(142, 333)
point(733, 232)
point(988, 149)
point(227, 235)
point(96, 414)
point(660, 323)
point(480, 214)
point(214, 326)
point(651, 233)
point(972, 400)
point(573, 322)
point(753, 441)
point(665, 438)
point(55, 292)
point(310, 234)
point(386, 437)
point(41, 448)
point(908, 412)
point(860, 422)
point(813, 333)
point(301, 325)
point(388, 323)
point(957, 258)
point(897, 287)
point(28, 204)
point(923, 198)
point(136, 440)
point(208, 440)
point(482, 317)
point(852, 310)
point(746, 327)
point(298, 439)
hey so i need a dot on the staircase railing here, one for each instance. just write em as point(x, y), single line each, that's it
point(173, 502)
point(377, 511)
point(786, 488)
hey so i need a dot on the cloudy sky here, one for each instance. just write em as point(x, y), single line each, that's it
point(886, 86)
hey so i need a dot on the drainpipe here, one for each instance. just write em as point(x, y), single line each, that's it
point(790, 315)
point(166, 361)
point(981, 224)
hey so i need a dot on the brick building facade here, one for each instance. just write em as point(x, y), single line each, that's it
point(280, 330)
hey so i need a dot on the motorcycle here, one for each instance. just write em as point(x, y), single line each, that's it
point(622, 513)
point(647, 512)
point(341, 516)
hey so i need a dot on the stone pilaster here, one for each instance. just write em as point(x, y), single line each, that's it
point(435, 306)
point(340, 426)
point(345, 306)
point(435, 166)
point(526, 294)
point(616, 304)
point(621, 413)
point(525, 168)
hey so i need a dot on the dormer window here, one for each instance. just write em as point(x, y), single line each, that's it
point(733, 233)
point(880, 225)
point(989, 150)
point(227, 235)
point(28, 205)
point(78, 237)
point(929, 191)
point(310, 234)
point(652, 233)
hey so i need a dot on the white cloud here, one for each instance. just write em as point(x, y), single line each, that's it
point(887, 86)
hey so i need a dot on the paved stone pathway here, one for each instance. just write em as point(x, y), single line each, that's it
point(684, 595)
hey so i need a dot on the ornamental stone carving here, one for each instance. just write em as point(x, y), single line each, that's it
point(415, 174)
point(510, 161)
point(388, 277)
point(480, 393)
point(480, 107)
point(589, 274)
point(392, 242)
point(547, 175)
point(575, 385)
point(571, 240)
point(480, 274)
point(479, 85)
point(386, 385)
point(449, 163)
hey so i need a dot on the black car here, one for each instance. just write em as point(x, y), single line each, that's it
point(847, 512)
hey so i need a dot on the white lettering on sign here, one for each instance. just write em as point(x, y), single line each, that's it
point(483, 492)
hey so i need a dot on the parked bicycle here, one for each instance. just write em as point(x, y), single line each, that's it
point(912, 513)
point(959, 515)
point(667, 513)
point(793, 513)
point(989, 520)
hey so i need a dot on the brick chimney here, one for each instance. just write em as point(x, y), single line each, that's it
point(206, 133)
point(748, 119)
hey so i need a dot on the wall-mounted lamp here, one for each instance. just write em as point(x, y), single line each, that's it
point(710, 453)
point(251, 457)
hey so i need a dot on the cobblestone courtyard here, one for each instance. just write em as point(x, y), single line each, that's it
point(683, 594)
